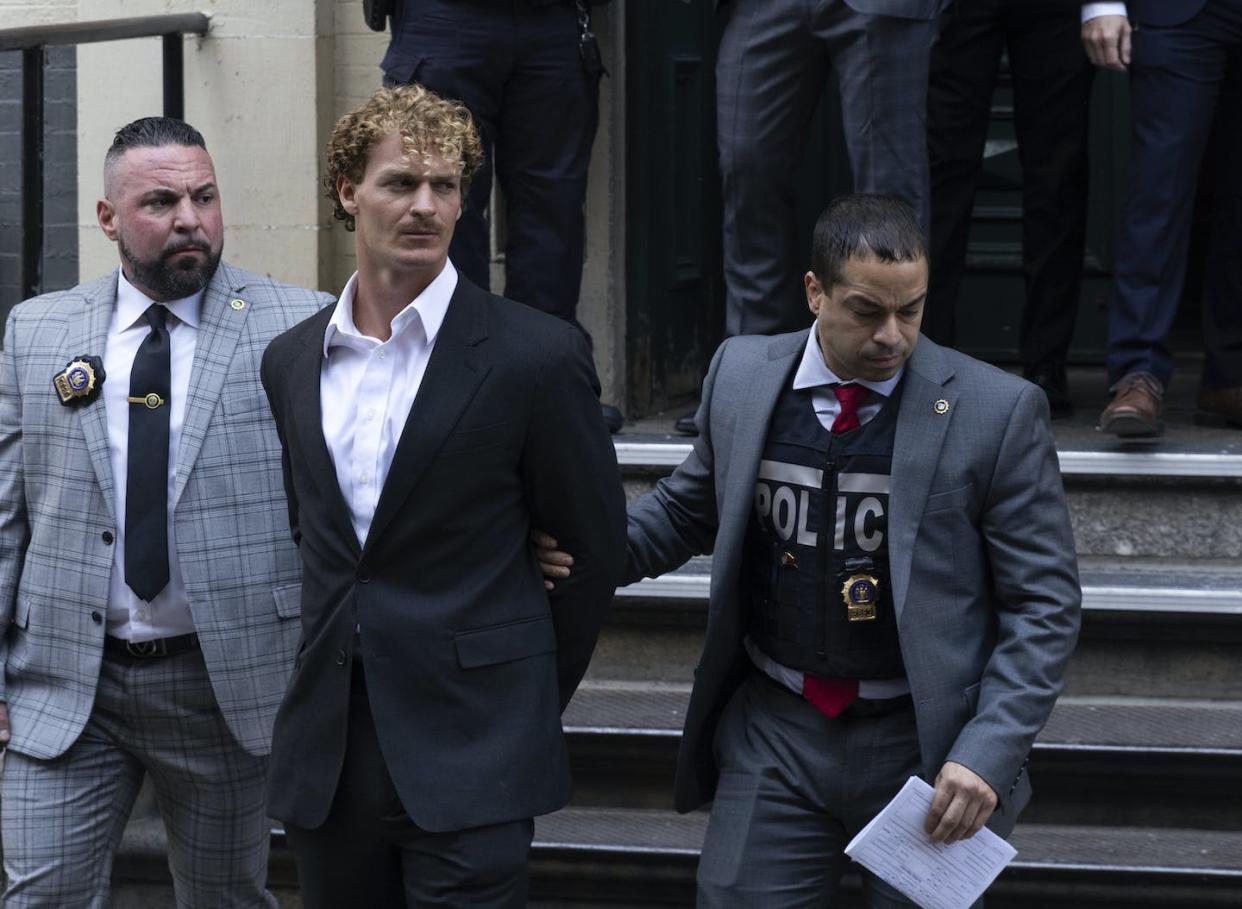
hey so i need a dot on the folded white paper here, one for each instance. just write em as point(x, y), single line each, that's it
point(894, 847)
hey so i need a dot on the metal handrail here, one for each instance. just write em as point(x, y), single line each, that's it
point(103, 30)
point(32, 42)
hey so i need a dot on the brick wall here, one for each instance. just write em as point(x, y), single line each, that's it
point(60, 238)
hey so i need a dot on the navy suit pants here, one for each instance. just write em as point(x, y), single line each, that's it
point(516, 66)
point(1179, 77)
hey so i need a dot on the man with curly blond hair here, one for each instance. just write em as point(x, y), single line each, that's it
point(426, 426)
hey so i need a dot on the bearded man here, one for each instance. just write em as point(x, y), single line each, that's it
point(148, 589)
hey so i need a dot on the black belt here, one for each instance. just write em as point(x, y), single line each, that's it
point(151, 650)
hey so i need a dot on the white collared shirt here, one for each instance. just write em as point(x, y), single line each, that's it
point(130, 617)
point(368, 386)
point(813, 372)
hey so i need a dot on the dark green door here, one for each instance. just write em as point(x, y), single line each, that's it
point(673, 280)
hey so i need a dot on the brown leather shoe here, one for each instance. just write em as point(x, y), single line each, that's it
point(1219, 407)
point(1134, 411)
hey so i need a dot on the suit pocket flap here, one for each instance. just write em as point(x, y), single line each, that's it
point(503, 643)
point(953, 498)
point(288, 600)
point(236, 405)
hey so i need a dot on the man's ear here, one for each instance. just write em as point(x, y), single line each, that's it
point(105, 212)
point(347, 192)
point(814, 292)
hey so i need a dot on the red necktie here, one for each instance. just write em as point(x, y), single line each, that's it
point(850, 397)
point(831, 696)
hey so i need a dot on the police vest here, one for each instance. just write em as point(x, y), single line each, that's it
point(815, 572)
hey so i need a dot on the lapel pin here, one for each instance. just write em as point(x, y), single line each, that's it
point(941, 406)
point(80, 381)
point(238, 305)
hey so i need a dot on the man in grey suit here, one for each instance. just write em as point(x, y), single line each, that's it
point(894, 585)
point(148, 588)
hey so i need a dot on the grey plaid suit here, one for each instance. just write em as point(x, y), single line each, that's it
point(57, 513)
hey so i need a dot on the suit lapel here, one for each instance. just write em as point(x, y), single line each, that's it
point(219, 328)
point(763, 387)
point(306, 432)
point(89, 335)
point(454, 372)
point(922, 423)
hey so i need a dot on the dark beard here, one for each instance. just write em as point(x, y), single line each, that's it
point(166, 282)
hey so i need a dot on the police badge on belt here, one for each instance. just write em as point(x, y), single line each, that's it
point(860, 591)
point(80, 382)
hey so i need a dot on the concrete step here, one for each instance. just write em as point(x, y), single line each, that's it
point(631, 857)
point(1183, 501)
point(1167, 628)
point(1146, 762)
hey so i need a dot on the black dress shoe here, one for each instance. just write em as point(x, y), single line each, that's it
point(685, 423)
point(1051, 379)
point(612, 418)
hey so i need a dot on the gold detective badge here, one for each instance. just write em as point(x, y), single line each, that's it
point(80, 381)
point(860, 592)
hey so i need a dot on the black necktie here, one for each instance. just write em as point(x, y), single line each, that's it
point(146, 491)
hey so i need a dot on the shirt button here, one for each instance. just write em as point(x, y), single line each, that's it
point(363, 479)
point(141, 615)
point(97, 618)
point(107, 537)
point(383, 354)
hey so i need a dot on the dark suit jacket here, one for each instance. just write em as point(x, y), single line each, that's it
point(1163, 12)
point(468, 660)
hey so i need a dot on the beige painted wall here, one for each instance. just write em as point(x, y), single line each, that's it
point(264, 87)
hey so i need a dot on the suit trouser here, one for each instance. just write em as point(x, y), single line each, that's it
point(770, 73)
point(1177, 75)
point(369, 854)
point(63, 818)
point(1051, 93)
point(518, 70)
point(794, 788)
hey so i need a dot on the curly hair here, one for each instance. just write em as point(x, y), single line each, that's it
point(426, 123)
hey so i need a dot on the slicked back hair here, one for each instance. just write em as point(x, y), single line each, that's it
point(862, 226)
point(150, 132)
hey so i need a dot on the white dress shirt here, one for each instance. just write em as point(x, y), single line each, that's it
point(813, 372)
point(130, 617)
point(1095, 10)
point(368, 386)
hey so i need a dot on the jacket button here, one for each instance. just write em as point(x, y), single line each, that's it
point(106, 536)
point(96, 618)
point(340, 657)
point(363, 576)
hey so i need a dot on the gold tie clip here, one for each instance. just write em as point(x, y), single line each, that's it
point(152, 400)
